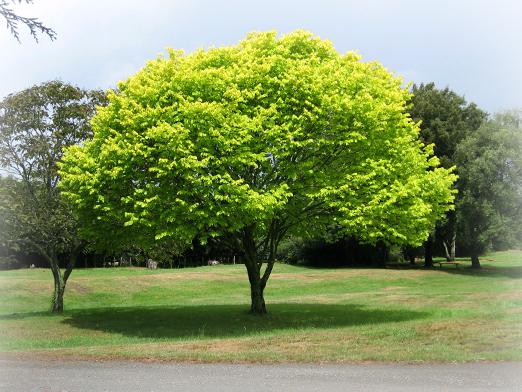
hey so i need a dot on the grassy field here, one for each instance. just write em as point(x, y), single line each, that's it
point(327, 315)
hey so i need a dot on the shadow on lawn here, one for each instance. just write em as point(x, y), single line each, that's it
point(228, 320)
point(487, 270)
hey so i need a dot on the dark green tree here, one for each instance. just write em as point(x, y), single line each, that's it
point(35, 125)
point(489, 207)
point(446, 120)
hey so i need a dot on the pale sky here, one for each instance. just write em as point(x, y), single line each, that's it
point(471, 46)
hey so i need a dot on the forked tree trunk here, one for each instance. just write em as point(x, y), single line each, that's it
point(450, 248)
point(453, 246)
point(257, 287)
point(60, 281)
point(253, 265)
point(59, 284)
point(57, 303)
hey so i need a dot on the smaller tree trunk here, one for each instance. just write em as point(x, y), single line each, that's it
point(446, 251)
point(428, 252)
point(57, 303)
point(409, 254)
point(450, 250)
point(475, 263)
point(60, 281)
point(453, 246)
point(59, 287)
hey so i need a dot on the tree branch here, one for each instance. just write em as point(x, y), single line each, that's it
point(33, 24)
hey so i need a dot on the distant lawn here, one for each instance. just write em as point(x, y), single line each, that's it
point(333, 315)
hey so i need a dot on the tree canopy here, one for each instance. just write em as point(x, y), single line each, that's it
point(249, 143)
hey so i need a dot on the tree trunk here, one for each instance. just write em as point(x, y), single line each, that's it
point(59, 286)
point(453, 246)
point(450, 250)
point(59, 280)
point(475, 263)
point(428, 252)
point(446, 251)
point(257, 287)
point(57, 304)
point(257, 306)
point(409, 254)
point(253, 265)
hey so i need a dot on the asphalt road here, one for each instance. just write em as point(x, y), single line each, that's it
point(78, 376)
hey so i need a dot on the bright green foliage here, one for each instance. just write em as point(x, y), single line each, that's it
point(252, 142)
point(239, 135)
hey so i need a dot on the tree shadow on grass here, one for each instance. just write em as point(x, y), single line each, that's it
point(229, 320)
point(24, 315)
point(487, 271)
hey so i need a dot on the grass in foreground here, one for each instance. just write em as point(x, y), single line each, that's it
point(329, 315)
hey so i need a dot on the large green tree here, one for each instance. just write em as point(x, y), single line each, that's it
point(35, 125)
point(250, 143)
point(489, 207)
point(446, 119)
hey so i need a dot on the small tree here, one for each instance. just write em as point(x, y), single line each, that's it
point(250, 143)
point(35, 125)
point(489, 208)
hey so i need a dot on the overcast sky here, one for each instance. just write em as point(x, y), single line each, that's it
point(474, 47)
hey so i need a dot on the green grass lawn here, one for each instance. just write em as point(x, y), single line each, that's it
point(327, 315)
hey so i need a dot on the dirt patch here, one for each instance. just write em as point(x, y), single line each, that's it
point(78, 288)
point(444, 327)
point(190, 276)
point(341, 275)
point(393, 288)
point(219, 346)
